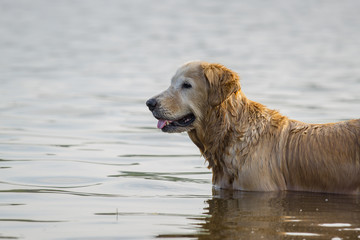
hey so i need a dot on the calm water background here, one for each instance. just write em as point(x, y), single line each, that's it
point(80, 155)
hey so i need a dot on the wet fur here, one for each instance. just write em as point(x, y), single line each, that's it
point(250, 147)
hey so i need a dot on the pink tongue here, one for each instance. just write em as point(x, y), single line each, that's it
point(161, 123)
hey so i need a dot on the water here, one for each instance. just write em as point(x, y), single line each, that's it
point(80, 155)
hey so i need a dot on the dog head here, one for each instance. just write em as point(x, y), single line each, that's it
point(195, 87)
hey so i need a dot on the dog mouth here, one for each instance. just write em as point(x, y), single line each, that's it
point(167, 125)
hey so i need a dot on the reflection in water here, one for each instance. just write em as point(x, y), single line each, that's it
point(277, 215)
point(248, 215)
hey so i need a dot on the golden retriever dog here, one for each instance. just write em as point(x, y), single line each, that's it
point(250, 147)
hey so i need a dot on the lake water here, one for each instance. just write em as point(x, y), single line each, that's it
point(80, 155)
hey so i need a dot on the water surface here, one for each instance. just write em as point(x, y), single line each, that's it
point(80, 155)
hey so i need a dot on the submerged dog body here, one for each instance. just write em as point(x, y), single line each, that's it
point(250, 147)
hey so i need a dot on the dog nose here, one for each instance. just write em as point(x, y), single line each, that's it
point(151, 103)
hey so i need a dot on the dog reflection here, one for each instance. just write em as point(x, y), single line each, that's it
point(249, 215)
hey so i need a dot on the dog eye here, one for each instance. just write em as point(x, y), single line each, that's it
point(186, 85)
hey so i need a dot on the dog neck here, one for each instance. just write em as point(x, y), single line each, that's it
point(239, 120)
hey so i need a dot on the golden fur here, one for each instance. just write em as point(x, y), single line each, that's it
point(250, 147)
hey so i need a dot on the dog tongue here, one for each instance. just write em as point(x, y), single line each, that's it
point(162, 123)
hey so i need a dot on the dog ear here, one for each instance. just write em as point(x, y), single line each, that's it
point(222, 83)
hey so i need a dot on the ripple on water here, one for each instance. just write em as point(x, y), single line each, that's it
point(55, 181)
